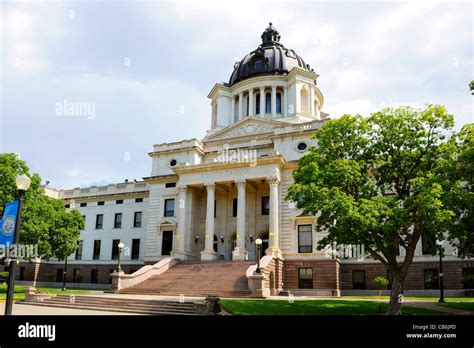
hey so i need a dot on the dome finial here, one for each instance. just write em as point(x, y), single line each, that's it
point(270, 35)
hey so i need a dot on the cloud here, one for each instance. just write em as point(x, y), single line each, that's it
point(368, 54)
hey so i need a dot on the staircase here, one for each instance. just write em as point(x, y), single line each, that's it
point(124, 305)
point(221, 278)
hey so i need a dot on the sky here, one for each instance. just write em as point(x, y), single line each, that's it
point(142, 70)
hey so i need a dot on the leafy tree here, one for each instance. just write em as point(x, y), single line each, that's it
point(45, 221)
point(471, 86)
point(381, 283)
point(381, 182)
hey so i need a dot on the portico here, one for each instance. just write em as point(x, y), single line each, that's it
point(226, 218)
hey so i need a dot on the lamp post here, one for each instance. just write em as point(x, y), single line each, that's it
point(120, 247)
point(258, 242)
point(23, 184)
point(441, 276)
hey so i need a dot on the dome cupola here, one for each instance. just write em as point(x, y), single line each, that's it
point(270, 58)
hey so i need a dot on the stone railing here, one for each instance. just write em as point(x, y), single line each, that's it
point(269, 281)
point(122, 281)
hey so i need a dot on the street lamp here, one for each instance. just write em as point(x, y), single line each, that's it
point(259, 243)
point(441, 276)
point(119, 267)
point(23, 184)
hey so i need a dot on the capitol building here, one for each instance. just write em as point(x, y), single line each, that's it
point(207, 201)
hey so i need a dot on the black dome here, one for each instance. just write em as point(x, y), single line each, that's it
point(270, 58)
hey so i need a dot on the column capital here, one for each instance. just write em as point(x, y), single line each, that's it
point(273, 180)
point(241, 183)
point(210, 185)
point(182, 188)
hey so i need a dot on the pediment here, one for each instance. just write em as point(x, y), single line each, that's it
point(166, 222)
point(245, 127)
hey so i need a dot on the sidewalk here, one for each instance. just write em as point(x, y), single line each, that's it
point(24, 309)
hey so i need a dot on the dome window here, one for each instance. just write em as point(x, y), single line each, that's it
point(173, 162)
point(258, 65)
point(278, 103)
point(268, 103)
point(302, 146)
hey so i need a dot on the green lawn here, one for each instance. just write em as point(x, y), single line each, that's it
point(424, 298)
point(314, 307)
point(459, 305)
point(19, 292)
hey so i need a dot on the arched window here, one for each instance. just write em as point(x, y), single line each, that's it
point(268, 103)
point(257, 104)
point(278, 103)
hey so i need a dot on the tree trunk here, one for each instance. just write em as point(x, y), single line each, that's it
point(396, 296)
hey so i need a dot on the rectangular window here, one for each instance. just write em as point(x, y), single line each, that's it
point(76, 277)
point(22, 273)
point(83, 204)
point(137, 219)
point(96, 254)
point(265, 205)
point(169, 207)
point(428, 244)
point(358, 279)
point(234, 207)
point(99, 221)
point(59, 275)
point(119, 201)
point(94, 276)
point(305, 278)
point(100, 203)
point(115, 249)
point(67, 206)
point(305, 238)
point(138, 200)
point(170, 184)
point(431, 278)
point(118, 220)
point(79, 250)
point(135, 249)
point(468, 278)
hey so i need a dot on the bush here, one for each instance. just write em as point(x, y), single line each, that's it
point(381, 283)
point(4, 276)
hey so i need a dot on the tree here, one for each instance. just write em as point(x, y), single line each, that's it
point(471, 86)
point(45, 221)
point(381, 182)
point(381, 283)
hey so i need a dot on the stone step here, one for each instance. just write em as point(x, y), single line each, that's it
point(119, 305)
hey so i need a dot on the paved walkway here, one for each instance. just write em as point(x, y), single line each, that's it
point(24, 309)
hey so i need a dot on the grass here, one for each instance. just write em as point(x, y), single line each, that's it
point(423, 298)
point(19, 291)
point(314, 307)
point(459, 305)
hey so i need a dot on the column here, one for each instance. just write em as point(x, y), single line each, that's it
point(179, 251)
point(285, 101)
point(208, 254)
point(250, 113)
point(240, 254)
point(241, 105)
point(232, 112)
point(274, 218)
point(274, 93)
point(262, 102)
